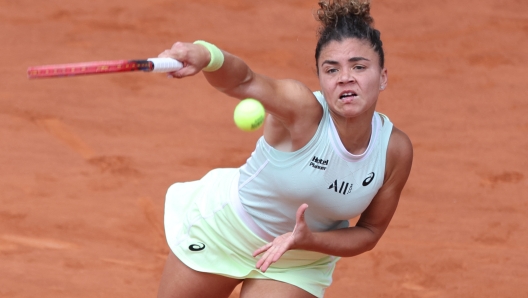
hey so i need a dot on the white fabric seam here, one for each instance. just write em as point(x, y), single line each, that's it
point(254, 174)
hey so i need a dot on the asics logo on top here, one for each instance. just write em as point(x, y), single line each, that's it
point(342, 188)
point(318, 163)
point(369, 179)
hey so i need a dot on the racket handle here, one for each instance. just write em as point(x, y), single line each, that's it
point(165, 64)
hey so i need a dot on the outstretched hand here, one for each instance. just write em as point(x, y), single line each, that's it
point(280, 245)
point(194, 58)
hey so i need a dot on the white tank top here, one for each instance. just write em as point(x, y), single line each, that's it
point(336, 184)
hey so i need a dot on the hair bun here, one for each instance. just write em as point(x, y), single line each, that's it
point(330, 11)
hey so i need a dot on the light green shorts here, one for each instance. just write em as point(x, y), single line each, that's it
point(205, 231)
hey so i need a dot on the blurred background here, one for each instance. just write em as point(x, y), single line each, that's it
point(85, 161)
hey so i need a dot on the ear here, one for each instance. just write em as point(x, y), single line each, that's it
point(384, 77)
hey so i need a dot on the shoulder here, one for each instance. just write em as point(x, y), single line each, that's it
point(399, 157)
point(400, 144)
point(296, 121)
point(296, 102)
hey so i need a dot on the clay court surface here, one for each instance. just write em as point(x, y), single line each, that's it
point(85, 161)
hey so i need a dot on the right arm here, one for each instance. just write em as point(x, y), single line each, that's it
point(292, 106)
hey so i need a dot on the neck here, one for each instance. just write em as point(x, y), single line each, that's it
point(354, 132)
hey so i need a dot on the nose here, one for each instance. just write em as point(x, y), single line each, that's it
point(346, 76)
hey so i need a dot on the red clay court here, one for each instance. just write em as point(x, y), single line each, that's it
point(85, 161)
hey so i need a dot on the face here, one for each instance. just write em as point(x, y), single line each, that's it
point(350, 77)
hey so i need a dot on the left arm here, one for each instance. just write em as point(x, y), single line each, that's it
point(371, 225)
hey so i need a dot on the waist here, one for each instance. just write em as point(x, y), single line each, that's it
point(242, 213)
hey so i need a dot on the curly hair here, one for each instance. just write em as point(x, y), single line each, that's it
point(342, 19)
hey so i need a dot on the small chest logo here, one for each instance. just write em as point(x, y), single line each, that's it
point(342, 187)
point(369, 179)
point(318, 163)
point(197, 247)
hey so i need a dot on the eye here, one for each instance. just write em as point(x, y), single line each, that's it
point(331, 70)
point(359, 67)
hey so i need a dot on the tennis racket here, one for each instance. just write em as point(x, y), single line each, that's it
point(102, 67)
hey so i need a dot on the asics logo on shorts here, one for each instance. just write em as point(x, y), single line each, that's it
point(197, 247)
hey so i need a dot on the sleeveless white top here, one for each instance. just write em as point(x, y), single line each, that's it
point(336, 184)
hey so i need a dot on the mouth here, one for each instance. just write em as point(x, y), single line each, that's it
point(348, 96)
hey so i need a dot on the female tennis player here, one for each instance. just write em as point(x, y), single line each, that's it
point(279, 223)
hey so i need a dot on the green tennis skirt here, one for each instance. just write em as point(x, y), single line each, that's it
point(208, 230)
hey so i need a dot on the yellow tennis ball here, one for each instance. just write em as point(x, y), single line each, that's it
point(249, 114)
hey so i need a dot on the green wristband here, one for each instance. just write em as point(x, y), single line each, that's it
point(217, 57)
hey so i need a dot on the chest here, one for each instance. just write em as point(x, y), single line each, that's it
point(337, 188)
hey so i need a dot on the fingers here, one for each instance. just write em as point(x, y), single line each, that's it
point(273, 251)
point(179, 74)
point(263, 263)
point(271, 256)
point(300, 212)
point(193, 57)
point(165, 54)
point(299, 218)
point(174, 54)
point(177, 51)
point(262, 249)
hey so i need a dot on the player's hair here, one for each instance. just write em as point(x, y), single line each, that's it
point(342, 19)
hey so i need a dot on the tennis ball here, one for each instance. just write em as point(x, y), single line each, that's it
point(249, 114)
